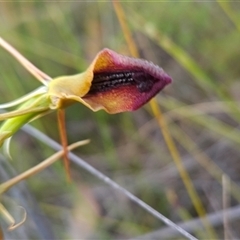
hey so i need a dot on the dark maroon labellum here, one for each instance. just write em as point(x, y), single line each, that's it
point(106, 81)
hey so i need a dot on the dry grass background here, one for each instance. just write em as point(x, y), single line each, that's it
point(197, 44)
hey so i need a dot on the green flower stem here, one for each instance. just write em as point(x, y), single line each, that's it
point(29, 110)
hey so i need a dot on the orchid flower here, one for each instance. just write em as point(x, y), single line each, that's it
point(112, 82)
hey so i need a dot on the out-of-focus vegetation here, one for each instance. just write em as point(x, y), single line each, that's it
point(198, 45)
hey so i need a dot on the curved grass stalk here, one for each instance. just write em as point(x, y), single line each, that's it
point(6, 147)
point(11, 221)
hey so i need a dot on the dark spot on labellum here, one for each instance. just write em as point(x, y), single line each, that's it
point(144, 81)
point(103, 82)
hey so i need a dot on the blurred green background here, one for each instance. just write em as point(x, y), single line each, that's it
point(197, 43)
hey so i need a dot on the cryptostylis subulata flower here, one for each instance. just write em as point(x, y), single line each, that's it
point(112, 82)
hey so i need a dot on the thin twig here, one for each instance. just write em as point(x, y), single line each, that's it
point(216, 219)
point(41, 76)
point(51, 143)
point(39, 167)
